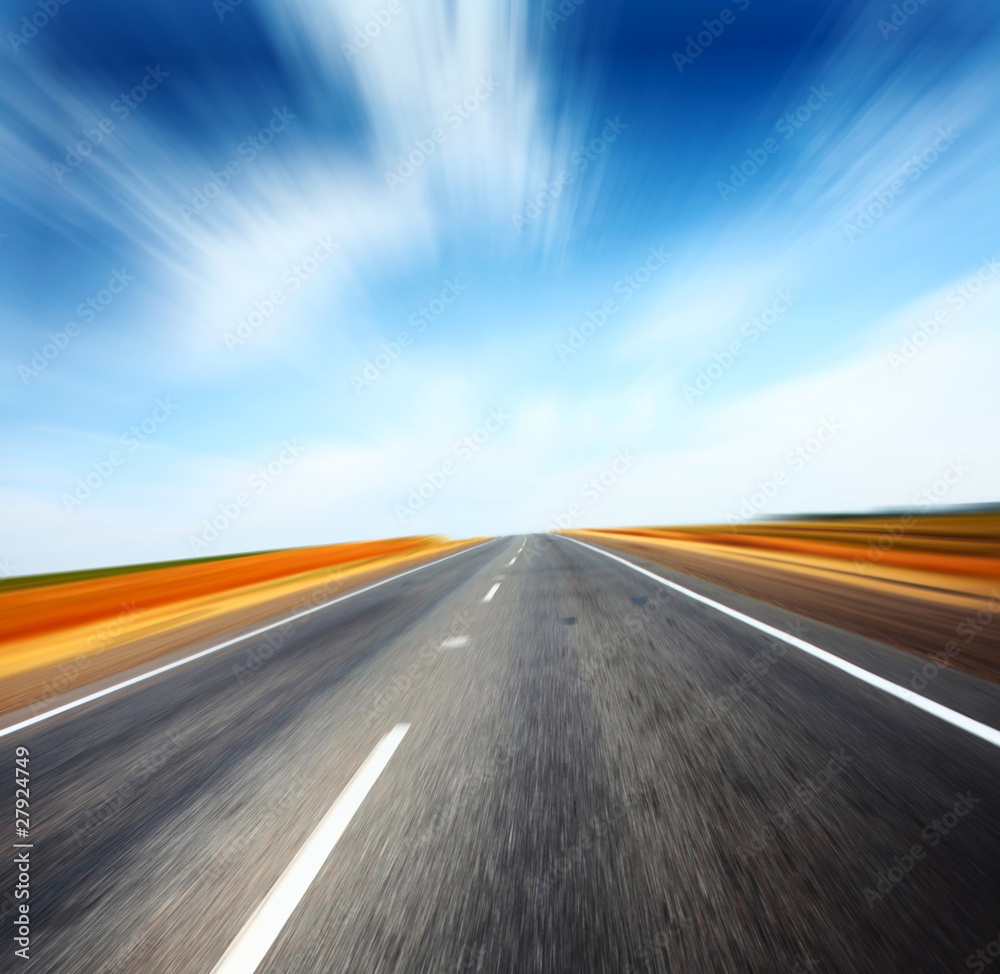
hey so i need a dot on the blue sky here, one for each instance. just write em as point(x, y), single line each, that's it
point(489, 267)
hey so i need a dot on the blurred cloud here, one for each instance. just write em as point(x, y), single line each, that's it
point(218, 151)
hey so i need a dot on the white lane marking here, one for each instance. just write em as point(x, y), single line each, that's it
point(263, 927)
point(983, 731)
point(214, 649)
point(493, 591)
point(454, 642)
point(511, 562)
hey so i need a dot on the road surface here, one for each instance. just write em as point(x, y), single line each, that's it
point(586, 771)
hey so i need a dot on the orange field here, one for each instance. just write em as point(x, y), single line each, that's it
point(61, 631)
point(37, 609)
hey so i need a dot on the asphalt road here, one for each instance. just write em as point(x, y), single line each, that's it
point(585, 785)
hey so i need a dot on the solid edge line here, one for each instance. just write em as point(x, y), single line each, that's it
point(983, 731)
point(262, 929)
point(229, 642)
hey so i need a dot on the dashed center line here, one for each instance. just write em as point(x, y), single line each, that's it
point(263, 927)
point(455, 642)
point(511, 562)
point(493, 591)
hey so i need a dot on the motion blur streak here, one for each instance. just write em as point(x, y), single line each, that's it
point(364, 224)
point(604, 775)
point(297, 290)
